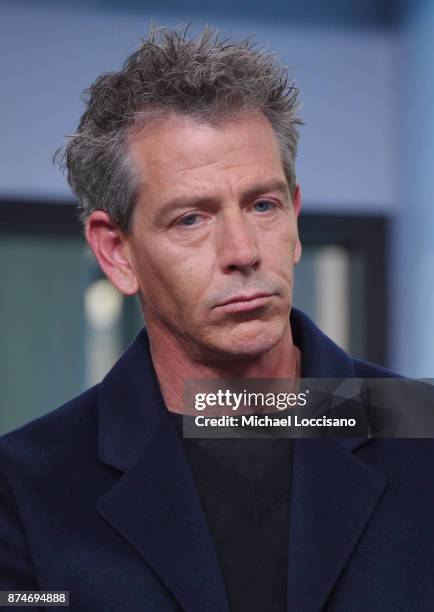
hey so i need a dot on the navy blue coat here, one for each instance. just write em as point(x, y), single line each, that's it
point(97, 498)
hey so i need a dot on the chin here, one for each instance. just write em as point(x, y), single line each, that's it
point(250, 340)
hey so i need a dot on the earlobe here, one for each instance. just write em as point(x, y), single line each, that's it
point(297, 251)
point(110, 247)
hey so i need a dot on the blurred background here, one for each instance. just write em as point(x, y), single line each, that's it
point(365, 166)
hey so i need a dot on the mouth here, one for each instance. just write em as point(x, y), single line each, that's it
point(244, 303)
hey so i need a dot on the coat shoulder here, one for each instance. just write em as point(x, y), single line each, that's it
point(58, 436)
point(366, 369)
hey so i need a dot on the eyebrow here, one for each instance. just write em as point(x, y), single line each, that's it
point(176, 203)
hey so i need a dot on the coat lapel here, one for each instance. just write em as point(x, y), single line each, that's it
point(154, 504)
point(334, 496)
point(334, 493)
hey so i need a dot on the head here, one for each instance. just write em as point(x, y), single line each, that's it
point(183, 164)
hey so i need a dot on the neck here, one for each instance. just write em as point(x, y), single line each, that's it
point(174, 366)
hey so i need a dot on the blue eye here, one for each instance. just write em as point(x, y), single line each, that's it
point(189, 219)
point(263, 206)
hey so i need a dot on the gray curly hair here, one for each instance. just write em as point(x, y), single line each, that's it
point(208, 78)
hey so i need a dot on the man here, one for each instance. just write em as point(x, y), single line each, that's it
point(183, 164)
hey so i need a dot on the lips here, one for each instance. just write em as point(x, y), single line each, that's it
point(244, 298)
point(238, 304)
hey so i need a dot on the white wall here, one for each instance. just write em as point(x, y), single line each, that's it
point(348, 148)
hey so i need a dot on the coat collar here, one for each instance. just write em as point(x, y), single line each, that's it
point(334, 494)
point(155, 507)
point(131, 404)
point(320, 356)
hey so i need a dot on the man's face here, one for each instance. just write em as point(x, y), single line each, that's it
point(214, 236)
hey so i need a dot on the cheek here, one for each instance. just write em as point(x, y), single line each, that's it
point(280, 262)
point(283, 248)
point(173, 278)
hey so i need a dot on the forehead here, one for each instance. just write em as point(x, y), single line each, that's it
point(177, 152)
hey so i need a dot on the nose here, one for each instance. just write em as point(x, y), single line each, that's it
point(237, 246)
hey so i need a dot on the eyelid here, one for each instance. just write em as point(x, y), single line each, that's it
point(178, 220)
point(275, 203)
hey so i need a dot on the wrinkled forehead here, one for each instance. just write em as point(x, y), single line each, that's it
point(176, 152)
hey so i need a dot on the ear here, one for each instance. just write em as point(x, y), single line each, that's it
point(111, 249)
point(297, 208)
